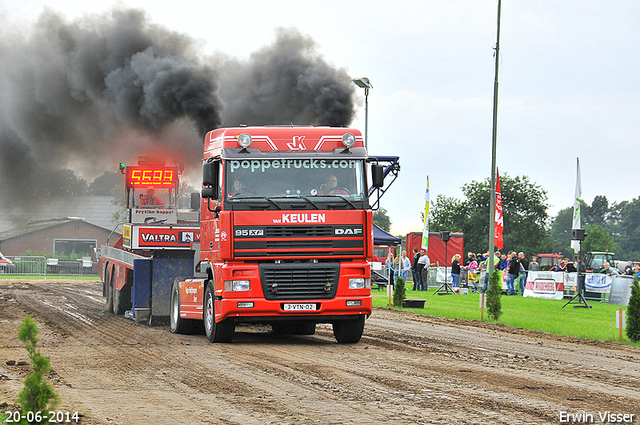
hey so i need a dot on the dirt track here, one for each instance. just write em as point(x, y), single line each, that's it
point(407, 369)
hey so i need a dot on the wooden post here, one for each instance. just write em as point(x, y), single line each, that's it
point(482, 306)
point(621, 322)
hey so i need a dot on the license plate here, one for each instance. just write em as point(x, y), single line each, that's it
point(300, 307)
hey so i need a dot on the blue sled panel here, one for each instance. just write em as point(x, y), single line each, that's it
point(141, 289)
point(167, 266)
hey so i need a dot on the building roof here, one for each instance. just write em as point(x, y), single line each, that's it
point(37, 225)
point(96, 210)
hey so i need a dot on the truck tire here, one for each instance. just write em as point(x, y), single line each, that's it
point(109, 289)
point(306, 328)
point(216, 332)
point(348, 331)
point(178, 325)
point(121, 299)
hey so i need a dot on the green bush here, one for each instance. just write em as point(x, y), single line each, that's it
point(399, 292)
point(37, 394)
point(633, 312)
point(494, 294)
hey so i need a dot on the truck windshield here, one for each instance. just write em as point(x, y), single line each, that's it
point(296, 177)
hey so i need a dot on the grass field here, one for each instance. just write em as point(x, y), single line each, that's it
point(548, 316)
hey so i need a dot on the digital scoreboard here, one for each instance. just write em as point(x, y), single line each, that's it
point(148, 176)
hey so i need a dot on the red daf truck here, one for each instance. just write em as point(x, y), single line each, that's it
point(284, 237)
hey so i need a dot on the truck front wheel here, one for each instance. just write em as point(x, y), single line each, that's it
point(178, 324)
point(348, 331)
point(216, 332)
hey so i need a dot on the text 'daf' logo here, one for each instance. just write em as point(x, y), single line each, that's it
point(297, 144)
point(348, 231)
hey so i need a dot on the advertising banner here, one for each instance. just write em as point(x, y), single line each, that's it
point(596, 282)
point(152, 237)
point(154, 216)
point(549, 285)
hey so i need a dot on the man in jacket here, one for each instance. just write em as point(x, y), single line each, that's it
point(414, 270)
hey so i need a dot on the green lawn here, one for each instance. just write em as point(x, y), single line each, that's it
point(598, 322)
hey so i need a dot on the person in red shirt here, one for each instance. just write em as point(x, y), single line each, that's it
point(150, 198)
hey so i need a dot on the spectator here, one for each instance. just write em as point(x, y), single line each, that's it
point(637, 270)
point(534, 266)
point(628, 270)
point(473, 265)
point(455, 270)
point(414, 269)
point(504, 262)
point(404, 265)
point(524, 268)
point(469, 259)
point(391, 271)
point(569, 267)
point(560, 267)
point(608, 270)
point(423, 266)
point(513, 270)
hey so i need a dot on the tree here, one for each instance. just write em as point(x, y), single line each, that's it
point(382, 220)
point(597, 239)
point(104, 184)
point(561, 230)
point(633, 312)
point(37, 396)
point(399, 292)
point(525, 215)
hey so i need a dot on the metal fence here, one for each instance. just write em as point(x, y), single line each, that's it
point(42, 266)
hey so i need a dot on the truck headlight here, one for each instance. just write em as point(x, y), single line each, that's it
point(359, 283)
point(237, 285)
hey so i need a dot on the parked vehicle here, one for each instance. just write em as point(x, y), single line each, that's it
point(6, 265)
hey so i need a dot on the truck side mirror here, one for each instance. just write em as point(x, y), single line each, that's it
point(210, 172)
point(377, 175)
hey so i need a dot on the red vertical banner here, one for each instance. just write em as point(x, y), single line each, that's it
point(499, 218)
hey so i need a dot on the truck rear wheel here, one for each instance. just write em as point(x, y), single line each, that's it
point(178, 325)
point(109, 290)
point(348, 331)
point(216, 332)
point(121, 299)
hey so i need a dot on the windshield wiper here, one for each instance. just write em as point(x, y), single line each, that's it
point(344, 199)
point(265, 206)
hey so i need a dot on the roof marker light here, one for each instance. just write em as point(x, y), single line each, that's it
point(244, 140)
point(348, 140)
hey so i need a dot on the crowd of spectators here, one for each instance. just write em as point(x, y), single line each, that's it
point(515, 265)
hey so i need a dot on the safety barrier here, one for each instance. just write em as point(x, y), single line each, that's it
point(42, 266)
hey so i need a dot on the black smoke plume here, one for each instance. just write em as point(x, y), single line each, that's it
point(78, 97)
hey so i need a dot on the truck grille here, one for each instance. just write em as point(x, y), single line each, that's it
point(297, 281)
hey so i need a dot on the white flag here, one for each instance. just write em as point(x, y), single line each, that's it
point(575, 245)
point(425, 231)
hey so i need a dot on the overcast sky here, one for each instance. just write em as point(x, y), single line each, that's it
point(569, 83)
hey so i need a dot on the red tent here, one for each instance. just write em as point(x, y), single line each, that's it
point(437, 248)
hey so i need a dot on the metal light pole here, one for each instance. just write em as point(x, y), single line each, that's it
point(366, 85)
point(494, 143)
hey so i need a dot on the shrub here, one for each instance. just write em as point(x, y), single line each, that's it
point(37, 394)
point(633, 312)
point(494, 294)
point(399, 292)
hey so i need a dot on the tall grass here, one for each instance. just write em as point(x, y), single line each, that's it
point(548, 316)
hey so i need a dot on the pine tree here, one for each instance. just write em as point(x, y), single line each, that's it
point(633, 312)
point(494, 295)
point(37, 394)
point(399, 292)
